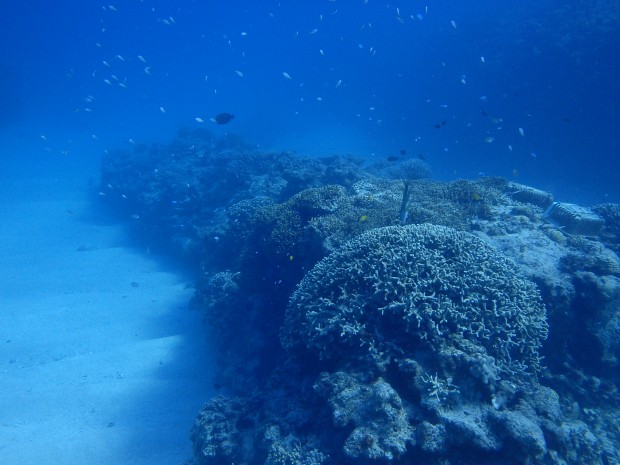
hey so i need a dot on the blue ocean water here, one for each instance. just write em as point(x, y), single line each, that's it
point(523, 90)
point(364, 77)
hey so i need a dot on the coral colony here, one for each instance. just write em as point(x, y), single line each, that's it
point(368, 314)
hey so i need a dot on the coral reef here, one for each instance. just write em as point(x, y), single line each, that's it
point(610, 235)
point(395, 290)
point(181, 190)
point(219, 433)
point(352, 327)
point(381, 430)
point(600, 312)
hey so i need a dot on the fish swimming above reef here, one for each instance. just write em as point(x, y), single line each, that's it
point(402, 153)
point(223, 118)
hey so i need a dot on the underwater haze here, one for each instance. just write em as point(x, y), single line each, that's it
point(310, 232)
point(525, 90)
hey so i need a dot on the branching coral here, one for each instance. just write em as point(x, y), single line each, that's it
point(396, 289)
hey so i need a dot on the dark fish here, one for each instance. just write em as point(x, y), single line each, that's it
point(223, 118)
point(421, 156)
point(393, 158)
point(403, 152)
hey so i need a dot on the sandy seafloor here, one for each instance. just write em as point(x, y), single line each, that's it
point(102, 361)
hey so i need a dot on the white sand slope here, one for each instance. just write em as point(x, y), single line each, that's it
point(101, 360)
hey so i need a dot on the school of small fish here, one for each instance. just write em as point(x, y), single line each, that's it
point(121, 69)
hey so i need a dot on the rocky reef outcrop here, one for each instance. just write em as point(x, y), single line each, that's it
point(471, 330)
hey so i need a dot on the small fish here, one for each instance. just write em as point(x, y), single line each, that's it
point(141, 58)
point(287, 76)
point(321, 52)
point(338, 82)
point(239, 73)
point(392, 158)
point(313, 31)
point(243, 34)
point(483, 60)
point(162, 109)
point(363, 218)
point(521, 132)
point(453, 24)
point(199, 120)
point(147, 70)
point(120, 57)
point(135, 216)
point(223, 118)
